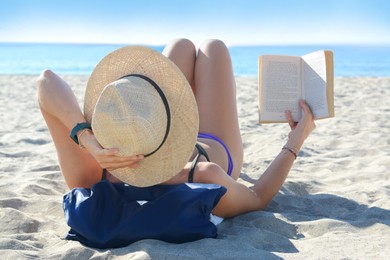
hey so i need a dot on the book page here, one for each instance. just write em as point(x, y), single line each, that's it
point(314, 83)
point(279, 87)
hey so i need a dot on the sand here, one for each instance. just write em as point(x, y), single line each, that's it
point(335, 203)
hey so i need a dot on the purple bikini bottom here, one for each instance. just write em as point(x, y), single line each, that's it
point(213, 137)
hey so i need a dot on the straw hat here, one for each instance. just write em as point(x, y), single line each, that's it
point(137, 100)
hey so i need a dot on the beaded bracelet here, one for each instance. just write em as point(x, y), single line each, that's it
point(292, 150)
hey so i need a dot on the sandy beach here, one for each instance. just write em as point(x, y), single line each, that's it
point(335, 203)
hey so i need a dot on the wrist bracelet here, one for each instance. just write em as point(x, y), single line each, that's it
point(77, 128)
point(291, 150)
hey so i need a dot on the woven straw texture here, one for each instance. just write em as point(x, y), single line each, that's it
point(131, 116)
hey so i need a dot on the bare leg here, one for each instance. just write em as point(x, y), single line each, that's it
point(183, 53)
point(216, 97)
point(61, 112)
point(212, 80)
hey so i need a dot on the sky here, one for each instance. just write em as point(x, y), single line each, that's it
point(236, 22)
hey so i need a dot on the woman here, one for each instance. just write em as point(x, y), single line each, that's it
point(209, 72)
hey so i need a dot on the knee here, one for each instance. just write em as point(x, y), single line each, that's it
point(182, 45)
point(216, 51)
point(214, 47)
point(186, 43)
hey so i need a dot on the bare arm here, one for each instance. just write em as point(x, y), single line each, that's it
point(275, 175)
point(239, 199)
point(59, 103)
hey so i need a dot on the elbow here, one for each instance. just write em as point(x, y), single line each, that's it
point(44, 76)
point(263, 206)
point(44, 85)
point(261, 201)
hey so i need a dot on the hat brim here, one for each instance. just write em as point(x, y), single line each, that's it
point(170, 159)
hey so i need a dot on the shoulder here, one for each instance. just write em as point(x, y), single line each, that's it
point(209, 172)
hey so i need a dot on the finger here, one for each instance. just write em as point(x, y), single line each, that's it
point(116, 165)
point(109, 151)
point(305, 107)
point(120, 160)
point(290, 119)
point(128, 158)
point(115, 152)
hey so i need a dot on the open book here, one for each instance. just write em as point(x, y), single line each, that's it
point(284, 80)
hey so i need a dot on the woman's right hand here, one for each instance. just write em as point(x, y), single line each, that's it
point(302, 129)
point(108, 158)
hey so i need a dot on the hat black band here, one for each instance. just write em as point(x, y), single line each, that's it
point(166, 105)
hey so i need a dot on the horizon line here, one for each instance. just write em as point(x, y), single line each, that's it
point(384, 44)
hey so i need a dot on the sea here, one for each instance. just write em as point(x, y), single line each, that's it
point(80, 59)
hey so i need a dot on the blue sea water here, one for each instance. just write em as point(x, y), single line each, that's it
point(80, 59)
